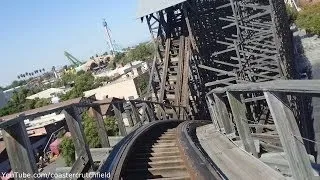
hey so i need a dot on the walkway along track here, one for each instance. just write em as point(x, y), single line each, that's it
point(158, 150)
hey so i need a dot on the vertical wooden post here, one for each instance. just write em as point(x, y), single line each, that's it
point(290, 136)
point(239, 114)
point(128, 113)
point(102, 131)
point(222, 114)
point(163, 112)
point(135, 112)
point(150, 112)
point(175, 114)
point(118, 114)
point(213, 113)
point(74, 122)
point(19, 148)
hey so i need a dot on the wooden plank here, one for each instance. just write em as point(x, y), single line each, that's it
point(239, 115)
point(259, 98)
point(150, 112)
point(19, 148)
point(118, 114)
point(129, 117)
point(185, 80)
point(102, 131)
point(81, 163)
point(217, 70)
point(74, 122)
point(191, 36)
point(311, 87)
point(269, 126)
point(179, 72)
point(222, 81)
point(222, 113)
point(235, 163)
point(135, 112)
point(165, 70)
point(290, 136)
point(213, 111)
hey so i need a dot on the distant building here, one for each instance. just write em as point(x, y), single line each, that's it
point(122, 89)
point(133, 69)
point(51, 93)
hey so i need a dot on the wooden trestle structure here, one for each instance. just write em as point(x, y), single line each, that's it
point(202, 45)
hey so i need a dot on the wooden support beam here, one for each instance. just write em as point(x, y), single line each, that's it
point(74, 122)
point(150, 113)
point(290, 136)
point(222, 113)
point(239, 112)
point(19, 148)
point(185, 77)
point(213, 112)
point(165, 70)
point(135, 112)
point(129, 117)
point(178, 87)
point(118, 114)
point(163, 112)
point(102, 131)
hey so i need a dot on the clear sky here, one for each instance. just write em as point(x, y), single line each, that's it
point(35, 33)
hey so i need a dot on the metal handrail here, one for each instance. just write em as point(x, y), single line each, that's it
point(49, 140)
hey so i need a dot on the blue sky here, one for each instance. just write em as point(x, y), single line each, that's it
point(35, 33)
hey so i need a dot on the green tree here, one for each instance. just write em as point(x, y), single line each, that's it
point(19, 103)
point(68, 150)
point(142, 52)
point(41, 102)
point(292, 13)
point(111, 126)
point(90, 129)
point(83, 81)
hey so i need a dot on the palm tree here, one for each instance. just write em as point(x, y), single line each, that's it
point(18, 76)
point(26, 73)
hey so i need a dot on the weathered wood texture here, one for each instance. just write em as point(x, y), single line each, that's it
point(135, 112)
point(222, 113)
point(74, 122)
point(290, 136)
point(231, 160)
point(239, 115)
point(292, 86)
point(102, 131)
point(19, 148)
point(118, 114)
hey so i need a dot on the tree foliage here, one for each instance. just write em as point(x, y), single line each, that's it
point(67, 150)
point(292, 13)
point(83, 81)
point(309, 18)
point(142, 52)
point(19, 103)
point(90, 129)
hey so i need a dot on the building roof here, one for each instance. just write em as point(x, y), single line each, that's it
point(47, 93)
point(146, 7)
